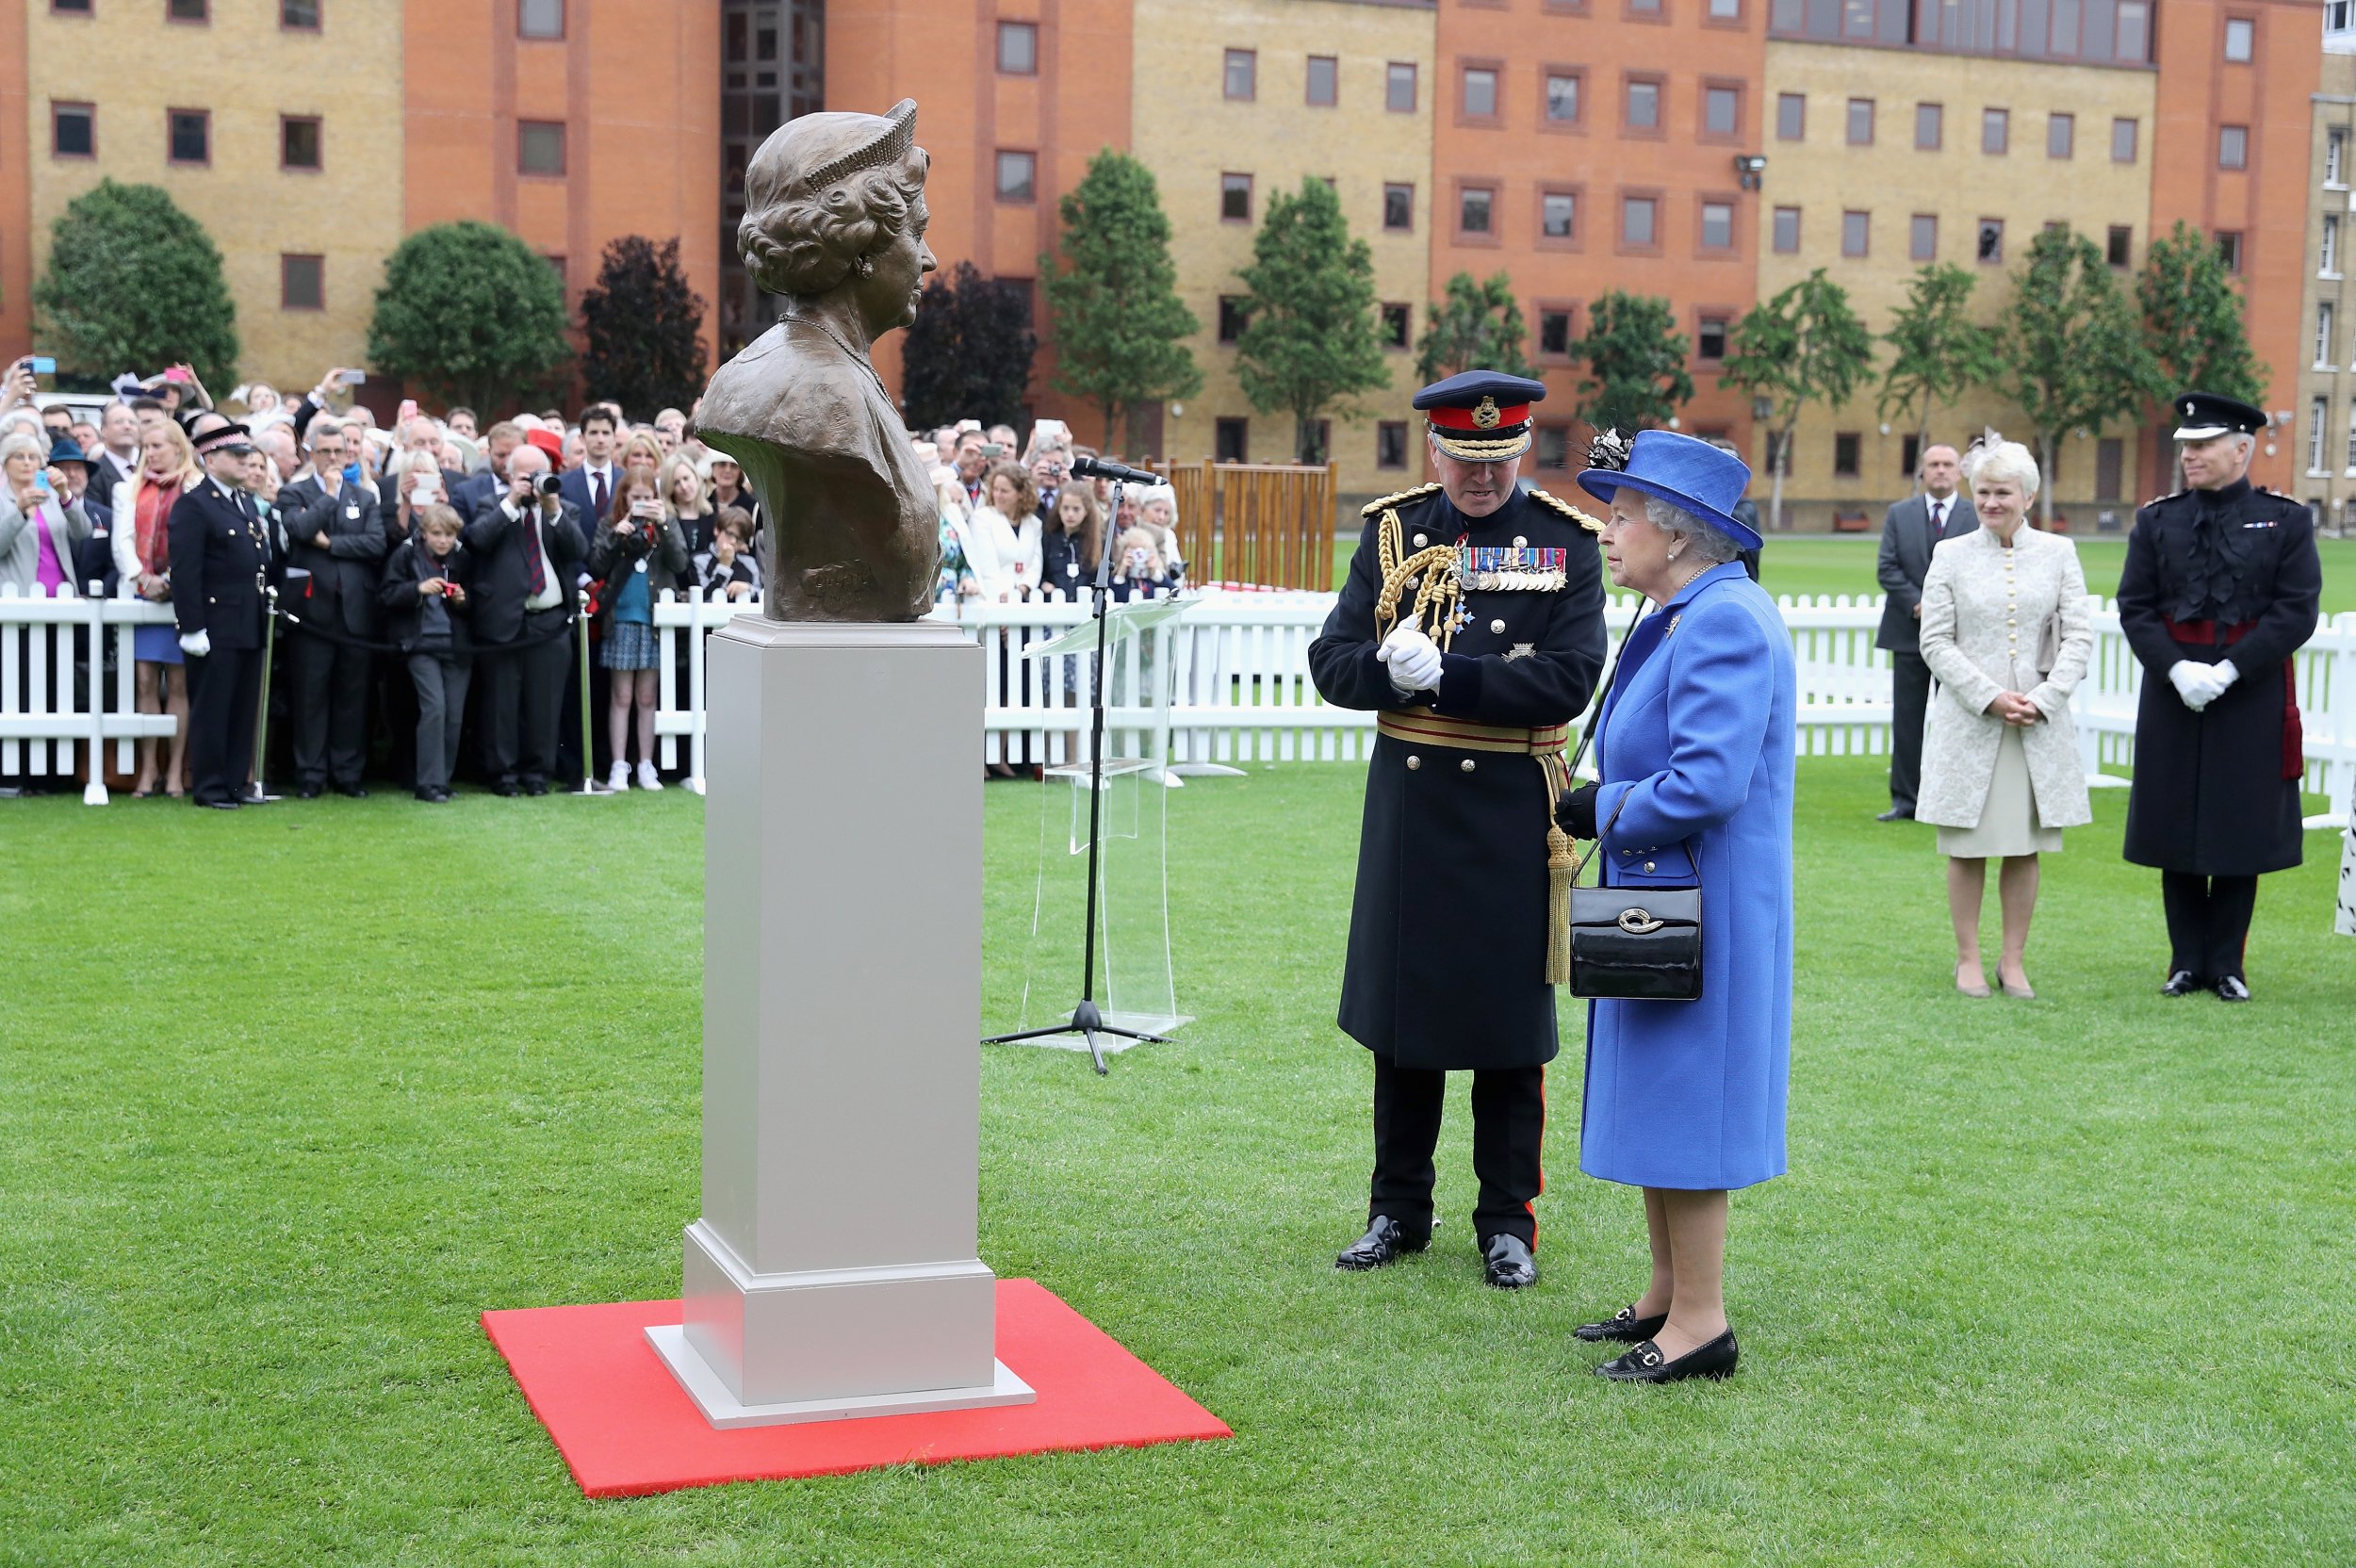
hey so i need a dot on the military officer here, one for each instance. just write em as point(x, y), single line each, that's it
point(220, 566)
point(1472, 621)
point(2220, 590)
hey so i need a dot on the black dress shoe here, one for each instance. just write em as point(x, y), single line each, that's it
point(220, 805)
point(1895, 814)
point(505, 789)
point(535, 787)
point(1385, 1240)
point(1622, 1328)
point(1646, 1365)
point(2183, 983)
point(2233, 989)
point(352, 791)
point(1507, 1263)
point(431, 797)
point(309, 792)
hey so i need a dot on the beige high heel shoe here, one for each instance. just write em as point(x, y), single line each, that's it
point(1977, 985)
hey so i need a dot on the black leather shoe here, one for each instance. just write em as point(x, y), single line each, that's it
point(433, 797)
point(537, 787)
point(2233, 989)
point(220, 805)
point(1894, 814)
point(1622, 1328)
point(1507, 1263)
point(505, 789)
point(309, 792)
point(1646, 1365)
point(2182, 983)
point(1385, 1240)
point(352, 791)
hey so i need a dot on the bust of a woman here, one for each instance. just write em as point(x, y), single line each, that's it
point(834, 222)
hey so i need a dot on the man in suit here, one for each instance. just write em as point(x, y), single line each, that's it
point(221, 564)
point(117, 460)
point(589, 489)
point(336, 545)
point(468, 496)
point(1911, 531)
point(527, 548)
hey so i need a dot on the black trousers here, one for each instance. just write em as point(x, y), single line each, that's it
point(1508, 1107)
point(524, 691)
point(224, 687)
point(2208, 922)
point(330, 703)
point(440, 680)
point(1909, 697)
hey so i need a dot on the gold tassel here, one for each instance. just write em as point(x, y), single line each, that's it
point(1562, 868)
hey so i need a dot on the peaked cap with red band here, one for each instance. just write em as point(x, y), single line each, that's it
point(1481, 415)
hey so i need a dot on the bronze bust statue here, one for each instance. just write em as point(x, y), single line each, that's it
point(834, 222)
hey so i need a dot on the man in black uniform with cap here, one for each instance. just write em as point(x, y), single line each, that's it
point(1472, 620)
point(2220, 590)
point(219, 567)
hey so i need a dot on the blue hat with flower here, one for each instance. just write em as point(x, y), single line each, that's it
point(1685, 472)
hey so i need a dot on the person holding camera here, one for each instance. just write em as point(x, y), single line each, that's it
point(424, 594)
point(729, 567)
point(334, 552)
point(1139, 570)
point(525, 546)
point(638, 546)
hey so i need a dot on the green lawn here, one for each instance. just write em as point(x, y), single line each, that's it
point(291, 1096)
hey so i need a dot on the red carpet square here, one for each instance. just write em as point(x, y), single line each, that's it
point(625, 1428)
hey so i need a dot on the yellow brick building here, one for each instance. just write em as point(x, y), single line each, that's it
point(1902, 157)
point(237, 95)
point(2324, 439)
point(1237, 101)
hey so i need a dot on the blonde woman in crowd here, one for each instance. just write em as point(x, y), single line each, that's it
point(143, 557)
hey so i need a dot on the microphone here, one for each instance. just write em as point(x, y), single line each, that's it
point(1096, 468)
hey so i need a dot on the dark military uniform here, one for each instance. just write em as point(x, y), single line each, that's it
point(221, 564)
point(1447, 964)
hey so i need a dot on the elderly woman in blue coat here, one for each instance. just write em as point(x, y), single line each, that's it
point(1695, 753)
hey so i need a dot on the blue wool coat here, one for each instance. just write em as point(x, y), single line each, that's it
point(1694, 748)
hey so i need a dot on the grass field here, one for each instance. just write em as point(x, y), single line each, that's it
point(291, 1096)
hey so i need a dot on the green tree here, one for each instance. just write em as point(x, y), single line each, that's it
point(1635, 360)
point(968, 356)
point(643, 327)
point(1937, 353)
point(2075, 356)
point(1310, 342)
point(2193, 320)
point(1475, 326)
point(468, 312)
point(135, 283)
point(1804, 346)
point(1113, 310)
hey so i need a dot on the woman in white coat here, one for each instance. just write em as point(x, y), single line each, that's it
point(2007, 633)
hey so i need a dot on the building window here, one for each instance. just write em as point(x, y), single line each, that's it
point(1563, 97)
point(2119, 245)
point(71, 8)
point(2318, 415)
point(1551, 447)
point(1725, 11)
point(539, 18)
point(1480, 101)
point(190, 135)
point(556, 264)
point(1231, 440)
point(1390, 444)
point(1990, 248)
point(301, 282)
point(1860, 122)
point(1017, 48)
point(1234, 198)
point(298, 141)
point(1909, 455)
point(2233, 146)
point(1640, 222)
point(1233, 318)
point(299, 16)
point(189, 10)
point(1710, 340)
point(1399, 208)
point(540, 147)
point(1242, 80)
point(1995, 130)
point(1325, 81)
point(2324, 336)
point(1845, 453)
point(2328, 262)
point(1722, 111)
point(1856, 233)
point(1644, 106)
point(1786, 231)
point(2351, 448)
point(2228, 248)
point(1930, 126)
point(1557, 215)
point(1476, 211)
point(2061, 136)
point(2336, 156)
point(2110, 464)
point(1717, 225)
point(1399, 88)
point(1790, 116)
point(2123, 140)
point(2134, 31)
point(2240, 34)
point(1018, 176)
point(1554, 333)
point(1922, 236)
point(73, 130)
point(1395, 325)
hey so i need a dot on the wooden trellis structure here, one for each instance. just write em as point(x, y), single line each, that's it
point(1271, 524)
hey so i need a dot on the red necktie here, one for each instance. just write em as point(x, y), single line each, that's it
point(596, 494)
point(537, 568)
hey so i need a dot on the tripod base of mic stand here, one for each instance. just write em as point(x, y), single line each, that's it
point(1086, 1022)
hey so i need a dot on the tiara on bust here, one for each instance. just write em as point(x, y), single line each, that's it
point(889, 147)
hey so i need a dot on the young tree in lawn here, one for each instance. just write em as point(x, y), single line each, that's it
point(1635, 360)
point(644, 326)
point(1113, 309)
point(968, 356)
point(1475, 326)
point(1311, 340)
point(469, 313)
point(2193, 320)
point(135, 283)
point(2075, 355)
point(1805, 345)
point(1937, 351)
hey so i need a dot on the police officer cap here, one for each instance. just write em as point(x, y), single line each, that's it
point(2202, 415)
point(1481, 415)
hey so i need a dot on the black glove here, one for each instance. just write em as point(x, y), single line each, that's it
point(1576, 811)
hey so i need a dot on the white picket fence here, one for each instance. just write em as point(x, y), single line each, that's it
point(1238, 687)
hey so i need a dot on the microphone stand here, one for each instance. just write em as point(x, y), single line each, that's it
point(1088, 1020)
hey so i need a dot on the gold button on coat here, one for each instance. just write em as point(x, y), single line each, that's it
point(1414, 762)
point(1466, 765)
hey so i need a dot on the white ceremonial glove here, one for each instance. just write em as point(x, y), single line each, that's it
point(2221, 675)
point(197, 644)
point(1413, 659)
point(2193, 683)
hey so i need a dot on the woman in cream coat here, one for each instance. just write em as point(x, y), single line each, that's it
point(2007, 633)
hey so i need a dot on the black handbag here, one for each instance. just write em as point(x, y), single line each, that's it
point(1635, 944)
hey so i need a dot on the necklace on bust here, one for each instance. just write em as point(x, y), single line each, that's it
point(863, 361)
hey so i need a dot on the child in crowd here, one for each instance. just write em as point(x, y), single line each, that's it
point(728, 564)
point(1139, 570)
point(1074, 533)
point(638, 545)
point(424, 593)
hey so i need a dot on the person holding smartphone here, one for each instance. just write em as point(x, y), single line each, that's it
point(41, 523)
point(638, 546)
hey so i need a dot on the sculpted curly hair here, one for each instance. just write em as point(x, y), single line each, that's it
point(799, 241)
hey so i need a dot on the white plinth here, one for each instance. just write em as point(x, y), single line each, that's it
point(834, 1270)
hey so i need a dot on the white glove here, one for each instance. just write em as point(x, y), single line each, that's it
point(1413, 659)
point(2221, 675)
point(196, 644)
point(2199, 684)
